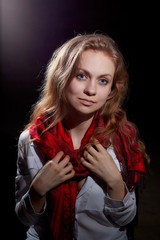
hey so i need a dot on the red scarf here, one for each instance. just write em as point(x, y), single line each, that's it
point(61, 200)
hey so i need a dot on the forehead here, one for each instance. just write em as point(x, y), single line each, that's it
point(96, 61)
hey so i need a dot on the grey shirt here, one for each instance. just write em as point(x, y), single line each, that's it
point(97, 216)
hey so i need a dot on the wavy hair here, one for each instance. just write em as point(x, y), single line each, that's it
point(62, 67)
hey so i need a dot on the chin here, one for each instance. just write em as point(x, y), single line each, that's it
point(85, 111)
point(78, 110)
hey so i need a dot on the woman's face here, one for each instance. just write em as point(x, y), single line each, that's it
point(91, 85)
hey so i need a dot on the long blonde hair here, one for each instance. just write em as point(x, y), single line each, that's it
point(62, 67)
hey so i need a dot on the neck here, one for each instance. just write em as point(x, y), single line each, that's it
point(77, 128)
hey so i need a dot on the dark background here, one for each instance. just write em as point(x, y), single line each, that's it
point(32, 29)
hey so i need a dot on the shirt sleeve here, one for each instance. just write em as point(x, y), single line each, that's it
point(122, 212)
point(28, 164)
point(118, 212)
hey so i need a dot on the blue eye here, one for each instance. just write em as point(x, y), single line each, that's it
point(81, 76)
point(103, 81)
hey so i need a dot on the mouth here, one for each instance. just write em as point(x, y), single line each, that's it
point(86, 102)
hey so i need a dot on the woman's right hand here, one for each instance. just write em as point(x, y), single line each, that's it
point(51, 175)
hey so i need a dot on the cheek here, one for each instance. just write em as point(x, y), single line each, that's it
point(71, 91)
point(104, 95)
point(73, 88)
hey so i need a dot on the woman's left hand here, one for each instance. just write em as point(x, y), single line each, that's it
point(100, 162)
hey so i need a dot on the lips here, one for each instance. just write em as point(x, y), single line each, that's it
point(86, 102)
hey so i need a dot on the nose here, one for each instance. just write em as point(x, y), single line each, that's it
point(90, 88)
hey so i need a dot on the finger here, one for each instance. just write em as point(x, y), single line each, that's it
point(83, 160)
point(86, 163)
point(69, 175)
point(92, 151)
point(88, 156)
point(68, 168)
point(64, 161)
point(58, 157)
point(98, 145)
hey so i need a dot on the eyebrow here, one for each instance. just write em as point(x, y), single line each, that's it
point(88, 73)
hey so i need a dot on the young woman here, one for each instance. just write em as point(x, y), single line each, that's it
point(79, 159)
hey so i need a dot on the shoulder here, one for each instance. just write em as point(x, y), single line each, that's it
point(24, 137)
point(128, 131)
point(27, 150)
point(131, 127)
